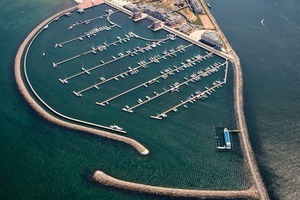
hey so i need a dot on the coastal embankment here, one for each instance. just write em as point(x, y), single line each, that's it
point(21, 83)
point(107, 180)
point(250, 160)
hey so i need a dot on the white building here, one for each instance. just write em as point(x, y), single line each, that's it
point(212, 38)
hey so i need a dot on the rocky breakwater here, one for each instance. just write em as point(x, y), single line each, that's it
point(46, 111)
point(107, 180)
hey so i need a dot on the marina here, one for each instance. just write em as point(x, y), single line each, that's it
point(132, 71)
point(142, 72)
point(156, 79)
point(148, 63)
point(114, 58)
point(87, 34)
point(193, 127)
point(176, 87)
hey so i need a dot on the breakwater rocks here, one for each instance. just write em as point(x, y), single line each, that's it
point(107, 180)
point(53, 116)
point(249, 155)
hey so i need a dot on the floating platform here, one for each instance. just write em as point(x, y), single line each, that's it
point(223, 139)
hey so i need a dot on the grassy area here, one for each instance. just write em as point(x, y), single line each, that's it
point(197, 21)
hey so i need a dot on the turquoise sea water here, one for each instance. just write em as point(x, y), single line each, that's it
point(41, 160)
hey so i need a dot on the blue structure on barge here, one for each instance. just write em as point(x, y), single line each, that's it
point(227, 141)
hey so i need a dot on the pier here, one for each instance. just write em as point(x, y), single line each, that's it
point(234, 131)
point(86, 21)
point(101, 47)
point(113, 60)
point(111, 22)
point(145, 84)
point(142, 64)
point(201, 96)
point(176, 87)
point(88, 34)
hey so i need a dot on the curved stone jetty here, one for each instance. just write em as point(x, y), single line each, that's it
point(107, 180)
point(53, 117)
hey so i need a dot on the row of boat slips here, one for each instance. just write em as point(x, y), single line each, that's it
point(190, 67)
point(92, 32)
point(87, 34)
point(120, 55)
point(187, 80)
point(147, 83)
point(100, 47)
point(197, 76)
point(135, 70)
point(89, 20)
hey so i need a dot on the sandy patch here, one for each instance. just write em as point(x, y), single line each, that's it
point(83, 4)
point(206, 22)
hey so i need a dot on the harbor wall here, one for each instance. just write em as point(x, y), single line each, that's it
point(24, 47)
point(248, 153)
point(249, 156)
point(107, 180)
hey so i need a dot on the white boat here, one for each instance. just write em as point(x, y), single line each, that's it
point(115, 127)
point(262, 22)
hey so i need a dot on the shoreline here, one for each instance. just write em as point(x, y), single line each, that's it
point(21, 86)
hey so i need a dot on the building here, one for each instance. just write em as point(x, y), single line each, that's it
point(136, 16)
point(170, 19)
point(155, 26)
point(179, 3)
point(212, 38)
point(184, 28)
point(196, 6)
